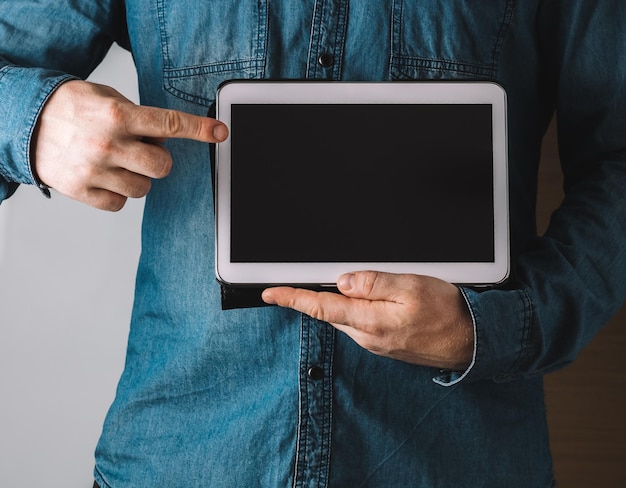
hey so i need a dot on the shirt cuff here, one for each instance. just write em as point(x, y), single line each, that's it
point(6, 189)
point(502, 321)
point(23, 92)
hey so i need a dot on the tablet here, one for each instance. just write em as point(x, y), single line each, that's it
point(318, 179)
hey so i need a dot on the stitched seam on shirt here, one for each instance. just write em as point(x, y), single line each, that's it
point(527, 319)
point(400, 28)
point(400, 62)
point(214, 68)
point(509, 10)
point(262, 37)
point(392, 33)
point(5, 174)
point(329, 345)
point(340, 38)
point(301, 424)
point(102, 484)
point(165, 54)
point(250, 68)
point(4, 70)
point(314, 22)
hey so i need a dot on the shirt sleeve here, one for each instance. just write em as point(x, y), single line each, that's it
point(570, 281)
point(43, 45)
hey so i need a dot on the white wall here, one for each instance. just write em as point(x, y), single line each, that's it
point(66, 284)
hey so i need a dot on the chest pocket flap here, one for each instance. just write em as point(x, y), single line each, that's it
point(224, 40)
point(451, 39)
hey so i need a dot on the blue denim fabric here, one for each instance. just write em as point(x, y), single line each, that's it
point(267, 397)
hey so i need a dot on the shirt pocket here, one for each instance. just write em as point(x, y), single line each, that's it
point(205, 43)
point(455, 39)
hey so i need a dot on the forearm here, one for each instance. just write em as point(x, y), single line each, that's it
point(570, 281)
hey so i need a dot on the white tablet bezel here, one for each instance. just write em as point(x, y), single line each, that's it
point(322, 274)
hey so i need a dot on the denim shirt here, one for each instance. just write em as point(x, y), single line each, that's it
point(267, 397)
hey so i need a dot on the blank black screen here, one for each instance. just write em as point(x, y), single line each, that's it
point(361, 183)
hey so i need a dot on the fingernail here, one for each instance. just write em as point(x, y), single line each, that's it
point(220, 132)
point(346, 282)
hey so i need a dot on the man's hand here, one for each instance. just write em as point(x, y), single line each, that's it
point(416, 319)
point(97, 147)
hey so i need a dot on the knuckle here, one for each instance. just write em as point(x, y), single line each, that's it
point(416, 282)
point(304, 301)
point(421, 290)
point(109, 201)
point(376, 332)
point(140, 188)
point(153, 161)
point(368, 281)
point(312, 308)
point(163, 165)
point(76, 190)
point(104, 148)
point(88, 173)
point(334, 316)
point(172, 122)
point(317, 312)
point(414, 290)
point(203, 131)
point(116, 112)
point(115, 205)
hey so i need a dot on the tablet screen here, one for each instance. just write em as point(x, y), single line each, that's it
point(361, 183)
point(317, 179)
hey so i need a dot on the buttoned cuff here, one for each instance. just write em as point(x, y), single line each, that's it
point(502, 321)
point(23, 92)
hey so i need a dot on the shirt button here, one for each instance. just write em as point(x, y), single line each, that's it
point(315, 373)
point(326, 60)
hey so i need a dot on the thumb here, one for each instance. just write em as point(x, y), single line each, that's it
point(369, 285)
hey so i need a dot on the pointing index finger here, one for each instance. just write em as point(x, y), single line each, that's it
point(166, 123)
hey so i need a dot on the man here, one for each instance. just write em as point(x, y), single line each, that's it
point(425, 384)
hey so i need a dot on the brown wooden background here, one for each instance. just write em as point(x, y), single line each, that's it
point(586, 401)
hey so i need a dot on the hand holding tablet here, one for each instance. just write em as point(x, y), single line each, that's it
point(415, 319)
